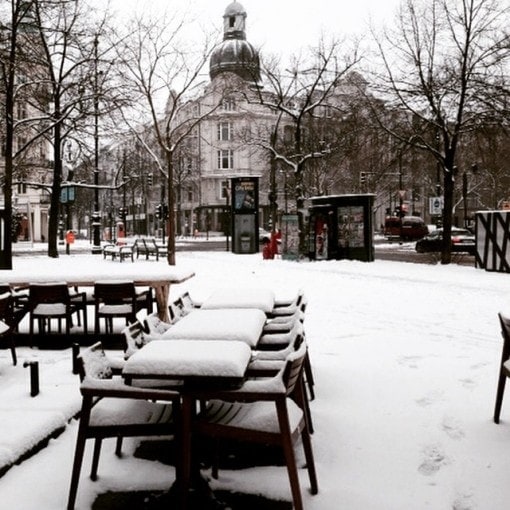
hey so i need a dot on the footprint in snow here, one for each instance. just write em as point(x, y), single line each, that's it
point(433, 459)
point(452, 427)
point(464, 502)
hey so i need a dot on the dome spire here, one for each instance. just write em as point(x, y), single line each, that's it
point(235, 54)
point(234, 22)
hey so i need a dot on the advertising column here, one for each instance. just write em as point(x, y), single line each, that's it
point(245, 206)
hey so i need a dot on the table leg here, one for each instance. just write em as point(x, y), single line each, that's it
point(183, 464)
point(162, 292)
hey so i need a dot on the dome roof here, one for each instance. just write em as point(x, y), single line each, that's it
point(235, 54)
point(234, 8)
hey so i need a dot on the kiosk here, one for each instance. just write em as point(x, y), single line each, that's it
point(341, 227)
point(245, 216)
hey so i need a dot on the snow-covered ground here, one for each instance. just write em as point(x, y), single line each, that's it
point(405, 358)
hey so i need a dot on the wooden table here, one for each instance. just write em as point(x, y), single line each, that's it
point(235, 324)
point(263, 299)
point(84, 271)
point(198, 364)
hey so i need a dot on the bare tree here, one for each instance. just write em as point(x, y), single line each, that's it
point(50, 66)
point(164, 74)
point(305, 91)
point(10, 72)
point(444, 73)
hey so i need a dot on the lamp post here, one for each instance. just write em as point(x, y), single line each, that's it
point(96, 215)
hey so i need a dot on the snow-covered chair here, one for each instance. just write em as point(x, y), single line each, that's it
point(261, 411)
point(110, 408)
point(289, 307)
point(269, 362)
point(279, 332)
point(52, 301)
point(504, 368)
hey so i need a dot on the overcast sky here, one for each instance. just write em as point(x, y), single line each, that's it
point(284, 26)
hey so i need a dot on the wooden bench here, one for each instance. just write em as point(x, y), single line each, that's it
point(149, 247)
point(120, 252)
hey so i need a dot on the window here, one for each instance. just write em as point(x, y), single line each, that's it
point(229, 104)
point(225, 131)
point(22, 188)
point(225, 159)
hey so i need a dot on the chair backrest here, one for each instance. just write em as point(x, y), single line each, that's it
point(294, 366)
point(57, 292)
point(154, 326)
point(114, 292)
point(93, 363)
point(176, 310)
point(135, 338)
point(187, 302)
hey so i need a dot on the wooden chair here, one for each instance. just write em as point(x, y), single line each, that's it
point(268, 363)
point(49, 301)
point(504, 369)
point(154, 326)
point(280, 334)
point(6, 323)
point(19, 303)
point(145, 300)
point(111, 408)
point(283, 308)
point(262, 411)
point(114, 299)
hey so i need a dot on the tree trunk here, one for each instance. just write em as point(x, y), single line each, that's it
point(300, 203)
point(171, 212)
point(55, 189)
point(449, 184)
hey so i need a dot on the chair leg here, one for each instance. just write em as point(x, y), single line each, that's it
point(306, 405)
point(78, 453)
point(310, 463)
point(290, 459)
point(13, 351)
point(118, 446)
point(85, 319)
point(31, 331)
point(309, 376)
point(95, 458)
point(499, 395)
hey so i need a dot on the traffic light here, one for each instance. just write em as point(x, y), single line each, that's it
point(149, 179)
point(159, 211)
point(362, 177)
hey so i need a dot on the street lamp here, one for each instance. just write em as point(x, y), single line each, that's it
point(96, 215)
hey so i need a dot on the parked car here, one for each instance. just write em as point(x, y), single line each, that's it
point(462, 241)
point(408, 228)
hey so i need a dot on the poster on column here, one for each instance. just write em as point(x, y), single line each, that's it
point(290, 237)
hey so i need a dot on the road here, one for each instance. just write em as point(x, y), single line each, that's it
point(405, 252)
point(384, 250)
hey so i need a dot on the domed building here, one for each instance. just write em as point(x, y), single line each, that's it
point(221, 146)
point(235, 54)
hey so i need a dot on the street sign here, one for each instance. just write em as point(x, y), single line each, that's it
point(436, 205)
